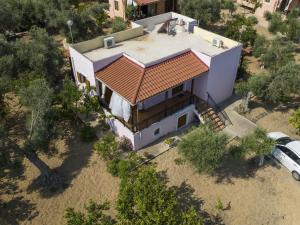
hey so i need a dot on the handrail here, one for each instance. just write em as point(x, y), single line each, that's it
point(223, 115)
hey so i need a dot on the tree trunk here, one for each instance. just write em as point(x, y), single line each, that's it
point(38, 163)
point(261, 160)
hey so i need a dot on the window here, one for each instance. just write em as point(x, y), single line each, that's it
point(81, 78)
point(182, 120)
point(290, 154)
point(156, 132)
point(117, 5)
point(177, 90)
point(284, 140)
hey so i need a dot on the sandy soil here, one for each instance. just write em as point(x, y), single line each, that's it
point(266, 196)
point(272, 120)
point(85, 176)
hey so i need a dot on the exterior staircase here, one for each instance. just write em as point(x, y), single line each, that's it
point(206, 113)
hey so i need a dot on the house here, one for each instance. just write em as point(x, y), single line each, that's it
point(271, 6)
point(145, 8)
point(159, 76)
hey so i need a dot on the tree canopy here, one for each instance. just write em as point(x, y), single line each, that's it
point(203, 148)
point(290, 27)
point(205, 11)
point(241, 28)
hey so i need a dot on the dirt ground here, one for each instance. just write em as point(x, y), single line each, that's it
point(266, 196)
point(85, 176)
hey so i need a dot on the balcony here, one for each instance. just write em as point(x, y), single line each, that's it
point(142, 119)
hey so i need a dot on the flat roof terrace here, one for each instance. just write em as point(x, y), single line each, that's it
point(151, 46)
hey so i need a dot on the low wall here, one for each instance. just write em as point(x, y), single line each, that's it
point(209, 36)
point(95, 43)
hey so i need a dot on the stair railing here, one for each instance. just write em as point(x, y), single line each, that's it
point(221, 113)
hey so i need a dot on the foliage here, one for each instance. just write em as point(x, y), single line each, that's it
point(205, 11)
point(131, 12)
point(37, 97)
point(203, 148)
point(295, 119)
point(4, 88)
point(125, 144)
point(90, 103)
point(290, 27)
point(277, 54)
point(107, 147)
point(257, 142)
point(39, 55)
point(88, 133)
point(145, 199)
point(88, 17)
point(241, 88)
point(279, 86)
point(219, 204)
point(260, 46)
point(69, 95)
point(241, 28)
point(122, 167)
point(94, 215)
point(230, 5)
point(118, 24)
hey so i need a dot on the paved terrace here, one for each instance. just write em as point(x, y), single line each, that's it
point(153, 46)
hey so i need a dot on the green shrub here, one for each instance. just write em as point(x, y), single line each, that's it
point(203, 148)
point(122, 167)
point(295, 119)
point(107, 147)
point(88, 133)
point(118, 24)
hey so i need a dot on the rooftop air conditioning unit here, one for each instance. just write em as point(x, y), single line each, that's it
point(217, 42)
point(109, 42)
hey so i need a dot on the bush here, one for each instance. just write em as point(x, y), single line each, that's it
point(125, 144)
point(122, 167)
point(203, 148)
point(295, 119)
point(107, 147)
point(88, 133)
point(118, 24)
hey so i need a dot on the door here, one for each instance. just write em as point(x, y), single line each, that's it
point(182, 121)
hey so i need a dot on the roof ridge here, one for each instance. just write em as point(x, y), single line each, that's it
point(139, 85)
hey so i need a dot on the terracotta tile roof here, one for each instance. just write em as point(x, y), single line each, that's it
point(145, 2)
point(136, 84)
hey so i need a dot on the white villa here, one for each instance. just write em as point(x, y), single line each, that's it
point(159, 76)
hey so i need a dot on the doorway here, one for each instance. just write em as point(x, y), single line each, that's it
point(182, 121)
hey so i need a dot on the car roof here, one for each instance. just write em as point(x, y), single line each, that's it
point(294, 146)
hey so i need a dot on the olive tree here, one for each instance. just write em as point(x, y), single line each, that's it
point(257, 142)
point(203, 148)
point(205, 11)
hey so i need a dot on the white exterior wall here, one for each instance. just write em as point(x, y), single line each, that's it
point(82, 65)
point(222, 74)
point(166, 126)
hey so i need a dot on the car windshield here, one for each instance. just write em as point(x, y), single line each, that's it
point(284, 140)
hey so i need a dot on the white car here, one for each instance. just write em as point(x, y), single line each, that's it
point(287, 152)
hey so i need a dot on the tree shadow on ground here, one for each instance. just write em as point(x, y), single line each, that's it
point(235, 167)
point(76, 158)
point(16, 210)
point(272, 107)
point(187, 199)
